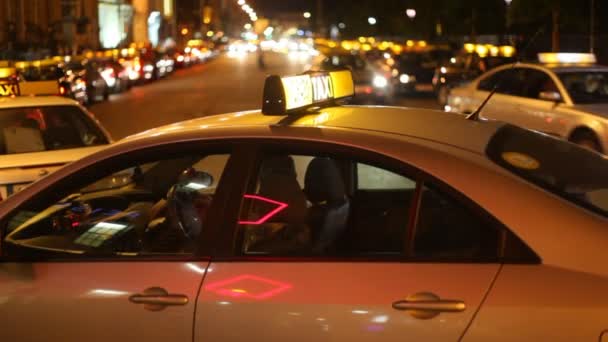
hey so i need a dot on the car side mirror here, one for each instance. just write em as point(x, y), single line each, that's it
point(550, 96)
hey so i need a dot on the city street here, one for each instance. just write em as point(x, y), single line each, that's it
point(219, 86)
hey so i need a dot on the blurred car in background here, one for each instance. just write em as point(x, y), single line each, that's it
point(565, 95)
point(372, 81)
point(164, 64)
point(71, 85)
point(115, 75)
point(90, 72)
point(39, 134)
point(415, 68)
point(467, 64)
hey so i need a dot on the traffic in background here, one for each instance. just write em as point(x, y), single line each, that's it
point(93, 76)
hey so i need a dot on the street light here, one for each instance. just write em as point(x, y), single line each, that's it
point(372, 20)
point(341, 26)
point(411, 13)
point(247, 26)
point(307, 15)
point(241, 2)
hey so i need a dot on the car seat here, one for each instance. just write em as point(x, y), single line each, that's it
point(330, 208)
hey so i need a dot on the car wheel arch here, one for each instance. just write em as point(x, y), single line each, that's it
point(584, 133)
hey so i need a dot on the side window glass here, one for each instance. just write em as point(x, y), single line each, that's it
point(374, 178)
point(157, 207)
point(447, 229)
point(309, 205)
point(537, 82)
point(509, 82)
point(488, 83)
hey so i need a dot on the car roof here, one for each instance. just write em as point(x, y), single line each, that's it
point(30, 101)
point(431, 125)
point(563, 67)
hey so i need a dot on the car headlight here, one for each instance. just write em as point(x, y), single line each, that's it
point(380, 81)
point(405, 78)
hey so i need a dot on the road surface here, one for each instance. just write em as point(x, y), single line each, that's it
point(218, 86)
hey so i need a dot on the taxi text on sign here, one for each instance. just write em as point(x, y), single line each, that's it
point(9, 89)
point(304, 90)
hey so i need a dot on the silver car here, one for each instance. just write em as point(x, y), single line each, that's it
point(566, 98)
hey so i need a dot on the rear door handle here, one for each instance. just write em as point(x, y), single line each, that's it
point(426, 305)
point(157, 298)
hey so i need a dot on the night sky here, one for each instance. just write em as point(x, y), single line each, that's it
point(273, 6)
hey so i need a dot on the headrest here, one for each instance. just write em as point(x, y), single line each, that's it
point(277, 165)
point(323, 182)
point(278, 182)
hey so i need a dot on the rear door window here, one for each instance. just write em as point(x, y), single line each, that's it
point(38, 129)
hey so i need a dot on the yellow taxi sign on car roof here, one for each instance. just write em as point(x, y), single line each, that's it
point(566, 58)
point(7, 72)
point(285, 95)
point(8, 83)
point(39, 88)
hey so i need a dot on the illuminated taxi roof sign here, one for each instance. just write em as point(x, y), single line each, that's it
point(8, 82)
point(566, 58)
point(285, 95)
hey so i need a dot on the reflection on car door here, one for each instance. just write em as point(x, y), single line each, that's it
point(115, 260)
point(284, 280)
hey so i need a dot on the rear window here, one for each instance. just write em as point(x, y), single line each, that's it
point(576, 174)
point(37, 129)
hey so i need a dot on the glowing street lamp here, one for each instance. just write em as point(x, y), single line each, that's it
point(372, 20)
point(241, 2)
point(307, 15)
point(411, 13)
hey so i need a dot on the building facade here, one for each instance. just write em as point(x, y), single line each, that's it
point(56, 25)
point(29, 28)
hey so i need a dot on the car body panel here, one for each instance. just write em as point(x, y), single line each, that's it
point(92, 299)
point(534, 303)
point(273, 301)
point(19, 170)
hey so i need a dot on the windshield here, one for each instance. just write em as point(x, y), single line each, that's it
point(586, 87)
point(567, 170)
point(38, 129)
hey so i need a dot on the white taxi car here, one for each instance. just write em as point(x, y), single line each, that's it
point(565, 95)
point(39, 134)
point(311, 221)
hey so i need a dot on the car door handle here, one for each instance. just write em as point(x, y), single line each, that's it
point(426, 305)
point(157, 298)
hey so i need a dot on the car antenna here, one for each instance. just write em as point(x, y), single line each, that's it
point(475, 115)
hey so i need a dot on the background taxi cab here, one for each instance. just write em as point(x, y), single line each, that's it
point(565, 95)
point(39, 134)
point(310, 221)
point(372, 81)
